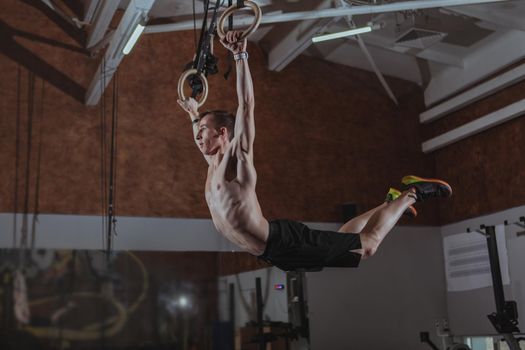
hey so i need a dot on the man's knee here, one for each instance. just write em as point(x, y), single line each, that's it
point(369, 245)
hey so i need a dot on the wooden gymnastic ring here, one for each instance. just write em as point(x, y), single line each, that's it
point(182, 79)
point(230, 10)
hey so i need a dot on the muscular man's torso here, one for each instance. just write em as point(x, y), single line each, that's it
point(230, 194)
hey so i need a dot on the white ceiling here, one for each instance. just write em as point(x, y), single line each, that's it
point(470, 43)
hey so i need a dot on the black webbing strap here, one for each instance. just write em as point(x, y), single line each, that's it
point(195, 83)
point(203, 56)
point(230, 54)
point(202, 34)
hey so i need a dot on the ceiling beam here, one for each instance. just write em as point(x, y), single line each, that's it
point(477, 93)
point(294, 43)
point(295, 40)
point(393, 64)
point(328, 13)
point(376, 70)
point(90, 8)
point(136, 12)
point(101, 19)
point(499, 50)
point(488, 121)
point(431, 54)
point(73, 21)
point(373, 65)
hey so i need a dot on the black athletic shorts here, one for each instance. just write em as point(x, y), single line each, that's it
point(292, 245)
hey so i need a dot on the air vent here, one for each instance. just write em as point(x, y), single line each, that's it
point(419, 38)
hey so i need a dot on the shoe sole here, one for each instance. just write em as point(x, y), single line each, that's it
point(410, 179)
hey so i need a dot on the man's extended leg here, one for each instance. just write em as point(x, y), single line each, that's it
point(382, 222)
point(356, 225)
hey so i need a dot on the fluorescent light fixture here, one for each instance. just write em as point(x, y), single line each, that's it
point(346, 33)
point(133, 38)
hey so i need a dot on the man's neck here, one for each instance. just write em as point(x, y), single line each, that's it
point(217, 157)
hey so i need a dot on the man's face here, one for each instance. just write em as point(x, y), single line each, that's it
point(208, 137)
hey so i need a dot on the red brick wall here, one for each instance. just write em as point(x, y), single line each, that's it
point(487, 170)
point(326, 134)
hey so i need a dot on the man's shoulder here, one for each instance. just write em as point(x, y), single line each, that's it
point(241, 150)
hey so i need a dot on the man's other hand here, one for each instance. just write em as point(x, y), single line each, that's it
point(189, 105)
point(232, 43)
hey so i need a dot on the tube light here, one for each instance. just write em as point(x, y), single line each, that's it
point(346, 33)
point(133, 38)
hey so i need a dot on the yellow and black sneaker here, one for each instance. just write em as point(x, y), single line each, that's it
point(393, 194)
point(427, 188)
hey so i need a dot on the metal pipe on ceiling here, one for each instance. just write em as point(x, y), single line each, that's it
point(331, 12)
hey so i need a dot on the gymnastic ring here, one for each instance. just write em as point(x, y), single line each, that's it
point(230, 10)
point(182, 79)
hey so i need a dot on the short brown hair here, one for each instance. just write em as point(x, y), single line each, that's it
point(222, 119)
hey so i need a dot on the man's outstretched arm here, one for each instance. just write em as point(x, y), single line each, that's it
point(244, 121)
point(190, 106)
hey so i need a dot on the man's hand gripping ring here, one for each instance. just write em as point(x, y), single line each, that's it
point(182, 79)
point(230, 10)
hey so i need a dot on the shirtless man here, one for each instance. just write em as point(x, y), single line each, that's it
point(227, 145)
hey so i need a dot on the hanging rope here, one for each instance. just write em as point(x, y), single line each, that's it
point(194, 27)
point(108, 181)
point(24, 229)
point(17, 155)
point(111, 222)
point(115, 152)
point(20, 305)
point(103, 149)
point(36, 210)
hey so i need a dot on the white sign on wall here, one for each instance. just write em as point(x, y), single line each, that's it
point(467, 264)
